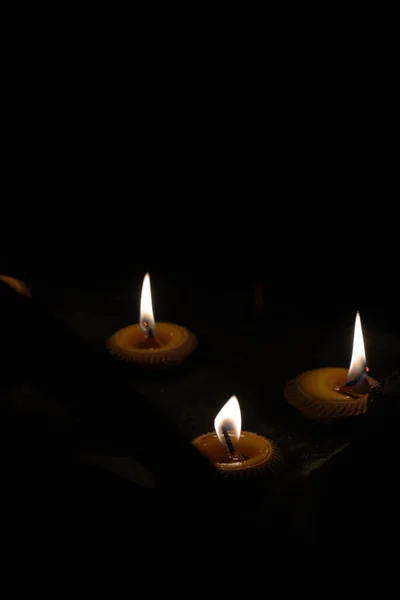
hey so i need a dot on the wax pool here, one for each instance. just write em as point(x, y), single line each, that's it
point(255, 453)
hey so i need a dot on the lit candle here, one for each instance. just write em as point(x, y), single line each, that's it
point(232, 450)
point(151, 343)
point(18, 285)
point(331, 393)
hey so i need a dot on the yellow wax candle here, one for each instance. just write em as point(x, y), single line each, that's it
point(331, 393)
point(233, 451)
point(149, 343)
point(18, 285)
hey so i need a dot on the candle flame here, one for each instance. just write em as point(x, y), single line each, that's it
point(358, 360)
point(230, 418)
point(146, 307)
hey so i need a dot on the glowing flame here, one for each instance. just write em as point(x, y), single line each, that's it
point(230, 418)
point(146, 307)
point(358, 360)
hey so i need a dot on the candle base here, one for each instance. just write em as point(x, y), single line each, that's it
point(172, 345)
point(18, 285)
point(320, 395)
point(257, 455)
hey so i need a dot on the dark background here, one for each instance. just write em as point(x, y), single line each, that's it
point(264, 214)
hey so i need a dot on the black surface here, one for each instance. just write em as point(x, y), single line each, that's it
point(249, 345)
point(254, 335)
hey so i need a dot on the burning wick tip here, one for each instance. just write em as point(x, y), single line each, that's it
point(148, 330)
point(358, 379)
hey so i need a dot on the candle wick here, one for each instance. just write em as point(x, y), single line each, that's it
point(149, 332)
point(353, 382)
point(228, 441)
point(356, 387)
point(357, 379)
